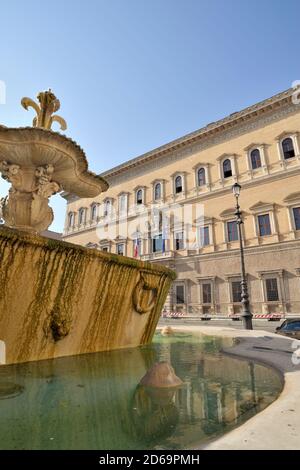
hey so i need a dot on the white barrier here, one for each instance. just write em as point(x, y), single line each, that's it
point(173, 314)
point(2, 353)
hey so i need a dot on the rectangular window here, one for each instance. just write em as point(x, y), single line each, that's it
point(120, 249)
point(179, 241)
point(206, 293)
point(296, 213)
point(157, 243)
point(107, 208)
point(232, 231)
point(105, 248)
point(179, 290)
point(272, 290)
point(122, 204)
point(264, 226)
point(236, 290)
point(204, 236)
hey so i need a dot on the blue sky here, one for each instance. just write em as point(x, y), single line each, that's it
point(134, 74)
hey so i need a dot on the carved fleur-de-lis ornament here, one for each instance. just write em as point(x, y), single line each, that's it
point(48, 105)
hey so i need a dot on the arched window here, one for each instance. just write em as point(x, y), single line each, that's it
point(81, 218)
point(139, 196)
point(288, 148)
point(157, 191)
point(178, 184)
point(201, 177)
point(70, 219)
point(227, 171)
point(94, 212)
point(255, 159)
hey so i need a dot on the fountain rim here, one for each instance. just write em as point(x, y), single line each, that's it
point(92, 184)
point(40, 241)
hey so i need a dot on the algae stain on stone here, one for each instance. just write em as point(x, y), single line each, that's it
point(68, 299)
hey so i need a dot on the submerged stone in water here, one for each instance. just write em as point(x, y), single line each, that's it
point(10, 390)
point(161, 374)
point(167, 330)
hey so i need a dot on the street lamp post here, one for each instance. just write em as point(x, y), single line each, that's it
point(246, 314)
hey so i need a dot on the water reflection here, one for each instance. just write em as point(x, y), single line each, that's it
point(94, 401)
point(155, 414)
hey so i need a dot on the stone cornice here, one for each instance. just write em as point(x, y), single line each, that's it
point(213, 128)
point(249, 250)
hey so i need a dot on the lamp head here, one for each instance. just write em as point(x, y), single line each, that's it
point(236, 189)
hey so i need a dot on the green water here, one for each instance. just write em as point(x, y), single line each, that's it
point(94, 401)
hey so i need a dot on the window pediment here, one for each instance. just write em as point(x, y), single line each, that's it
point(204, 220)
point(232, 276)
point(228, 213)
point(158, 180)
point(253, 146)
point(206, 278)
point(120, 239)
point(179, 173)
point(200, 165)
point(262, 274)
point(105, 241)
point(286, 134)
point(224, 156)
point(262, 206)
point(293, 197)
point(91, 245)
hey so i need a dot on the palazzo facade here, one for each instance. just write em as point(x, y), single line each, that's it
point(257, 147)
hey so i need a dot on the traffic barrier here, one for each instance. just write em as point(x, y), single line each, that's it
point(266, 316)
point(270, 317)
point(173, 314)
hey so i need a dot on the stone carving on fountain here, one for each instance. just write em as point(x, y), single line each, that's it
point(144, 296)
point(27, 205)
point(39, 163)
point(49, 104)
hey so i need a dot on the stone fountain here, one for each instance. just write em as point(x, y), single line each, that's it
point(59, 299)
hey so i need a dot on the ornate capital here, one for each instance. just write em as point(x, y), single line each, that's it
point(27, 205)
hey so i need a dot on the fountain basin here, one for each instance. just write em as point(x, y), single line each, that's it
point(59, 299)
point(96, 402)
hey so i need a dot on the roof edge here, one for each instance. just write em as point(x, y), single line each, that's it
point(205, 131)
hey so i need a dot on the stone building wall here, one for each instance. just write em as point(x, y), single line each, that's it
point(272, 190)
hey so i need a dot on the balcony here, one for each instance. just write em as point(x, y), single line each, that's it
point(159, 255)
